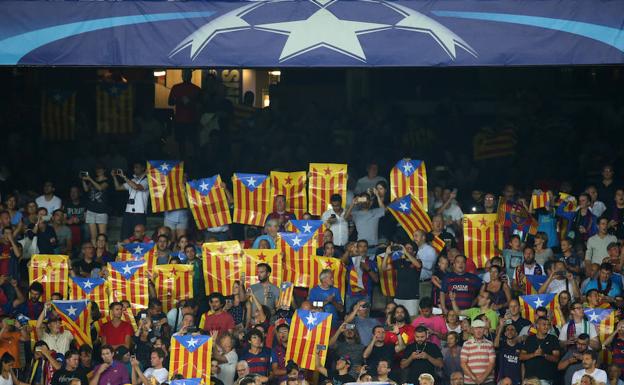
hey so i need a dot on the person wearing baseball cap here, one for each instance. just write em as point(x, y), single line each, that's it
point(340, 375)
point(478, 357)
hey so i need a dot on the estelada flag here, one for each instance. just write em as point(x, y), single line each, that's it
point(136, 251)
point(128, 281)
point(326, 179)
point(409, 176)
point(299, 250)
point(76, 317)
point(308, 330)
point(93, 289)
point(58, 115)
point(339, 272)
point(387, 278)
point(311, 226)
point(165, 179)
point(291, 185)
point(52, 271)
point(529, 303)
point(173, 283)
point(253, 200)
point(253, 257)
point(410, 214)
point(191, 356)
point(482, 237)
point(222, 266)
point(605, 322)
point(540, 199)
point(438, 244)
point(286, 295)
point(114, 108)
point(208, 202)
point(492, 144)
point(534, 283)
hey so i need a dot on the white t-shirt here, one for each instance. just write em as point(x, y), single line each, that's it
point(599, 375)
point(557, 286)
point(53, 204)
point(580, 328)
point(228, 370)
point(453, 212)
point(60, 343)
point(340, 228)
point(137, 200)
point(161, 375)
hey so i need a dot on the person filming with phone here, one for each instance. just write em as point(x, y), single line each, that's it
point(96, 187)
point(138, 194)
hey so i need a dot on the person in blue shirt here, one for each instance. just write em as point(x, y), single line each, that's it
point(609, 285)
point(328, 294)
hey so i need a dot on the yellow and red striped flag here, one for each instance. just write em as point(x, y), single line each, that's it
point(482, 237)
point(410, 214)
point(308, 330)
point(337, 267)
point(136, 251)
point(438, 244)
point(409, 176)
point(534, 283)
point(253, 200)
point(605, 322)
point(208, 202)
point(165, 179)
point(292, 185)
point(286, 295)
point(312, 226)
point(128, 281)
point(114, 108)
point(222, 266)
point(326, 179)
point(387, 278)
point(76, 317)
point(540, 199)
point(173, 283)
point(52, 271)
point(58, 115)
point(491, 144)
point(253, 257)
point(299, 250)
point(93, 289)
point(191, 356)
point(530, 303)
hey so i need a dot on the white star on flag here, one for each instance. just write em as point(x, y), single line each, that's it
point(296, 241)
point(138, 250)
point(538, 302)
point(87, 284)
point(164, 166)
point(307, 228)
point(203, 186)
point(192, 342)
point(407, 167)
point(127, 269)
point(403, 206)
point(593, 317)
point(311, 319)
point(251, 182)
point(71, 310)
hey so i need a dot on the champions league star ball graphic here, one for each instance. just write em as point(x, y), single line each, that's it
point(337, 26)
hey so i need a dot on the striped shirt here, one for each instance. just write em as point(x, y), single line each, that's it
point(478, 355)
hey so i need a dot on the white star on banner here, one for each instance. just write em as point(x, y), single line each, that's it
point(138, 250)
point(407, 167)
point(403, 206)
point(192, 342)
point(127, 269)
point(296, 241)
point(307, 228)
point(203, 186)
point(251, 182)
point(538, 302)
point(311, 319)
point(164, 167)
point(71, 310)
point(593, 317)
point(87, 284)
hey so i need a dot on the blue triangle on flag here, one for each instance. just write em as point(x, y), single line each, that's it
point(306, 226)
point(127, 268)
point(597, 315)
point(192, 342)
point(251, 181)
point(88, 284)
point(296, 240)
point(311, 319)
point(71, 309)
point(538, 300)
point(285, 285)
point(203, 186)
point(536, 280)
point(138, 249)
point(408, 166)
point(186, 381)
point(403, 204)
point(164, 166)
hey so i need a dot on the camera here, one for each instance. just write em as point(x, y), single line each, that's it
point(83, 174)
point(349, 326)
point(317, 303)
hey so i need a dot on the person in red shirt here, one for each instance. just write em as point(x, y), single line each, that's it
point(217, 318)
point(116, 332)
point(401, 319)
point(184, 96)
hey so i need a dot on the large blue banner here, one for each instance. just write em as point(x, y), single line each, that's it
point(319, 33)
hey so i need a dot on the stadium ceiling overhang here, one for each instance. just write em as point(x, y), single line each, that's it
point(311, 33)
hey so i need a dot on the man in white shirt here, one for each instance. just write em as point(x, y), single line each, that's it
point(138, 194)
point(559, 280)
point(449, 210)
point(427, 255)
point(155, 372)
point(335, 219)
point(597, 244)
point(589, 368)
point(48, 200)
